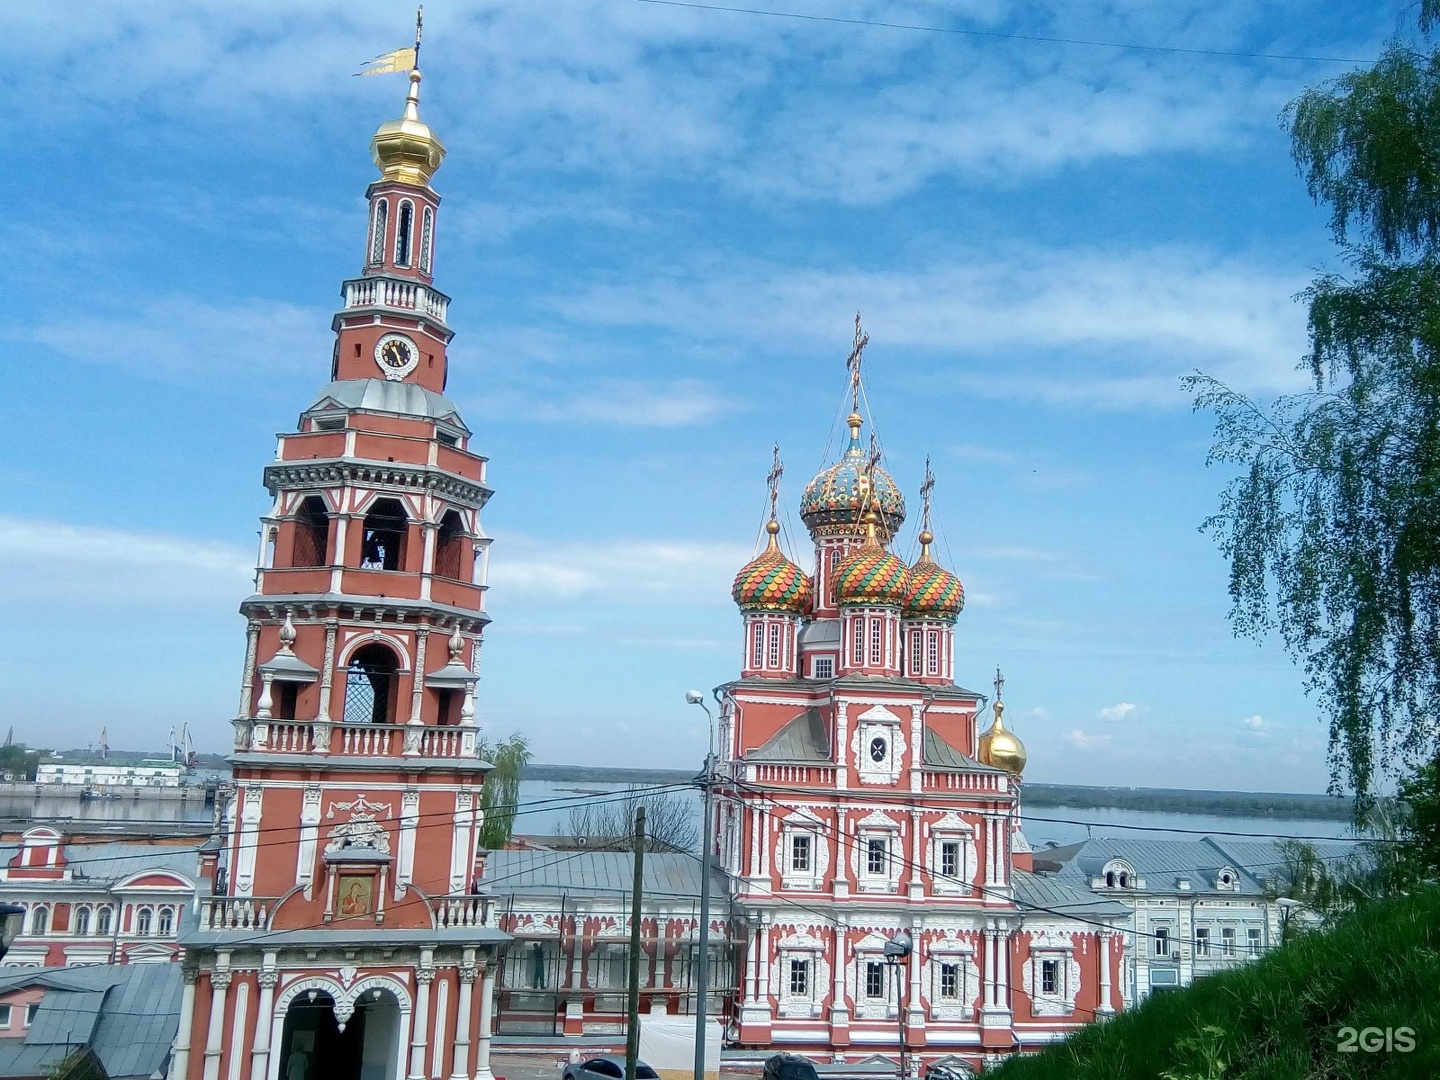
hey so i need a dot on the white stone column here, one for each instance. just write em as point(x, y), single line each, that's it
point(468, 971)
point(264, 1018)
point(487, 1008)
point(215, 1033)
point(1105, 1008)
point(180, 1049)
point(424, 976)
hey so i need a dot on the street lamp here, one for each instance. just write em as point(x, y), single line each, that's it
point(12, 917)
point(1287, 907)
point(702, 974)
point(898, 949)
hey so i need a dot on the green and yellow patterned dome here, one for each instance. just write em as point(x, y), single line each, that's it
point(836, 500)
point(872, 575)
point(771, 582)
point(935, 593)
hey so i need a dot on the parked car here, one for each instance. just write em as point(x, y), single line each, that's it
point(609, 1067)
point(789, 1067)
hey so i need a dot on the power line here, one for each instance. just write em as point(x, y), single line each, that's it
point(1038, 38)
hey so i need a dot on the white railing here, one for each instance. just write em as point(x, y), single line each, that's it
point(961, 781)
point(235, 912)
point(795, 774)
point(464, 910)
point(441, 742)
point(366, 740)
point(286, 737)
point(386, 292)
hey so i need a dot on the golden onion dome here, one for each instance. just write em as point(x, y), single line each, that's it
point(999, 748)
point(770, 581)
point(835, 500)
point(406, 150)
point(935, 593)
point(872, 575)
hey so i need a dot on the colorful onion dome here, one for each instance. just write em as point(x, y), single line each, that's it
point(935, 593)
point(872, 575)
point(836, 499)
point(999, 748)
point(770, 581)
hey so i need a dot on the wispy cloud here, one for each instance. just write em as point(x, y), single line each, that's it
point(1082, 740)
point(633, 571)
point(620, 402)
point(90, 566)
point(1121, 710)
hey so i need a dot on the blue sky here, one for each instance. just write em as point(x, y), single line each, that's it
point(657, 225)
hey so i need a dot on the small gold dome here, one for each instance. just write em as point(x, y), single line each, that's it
point(999, 748)
point(406, 149)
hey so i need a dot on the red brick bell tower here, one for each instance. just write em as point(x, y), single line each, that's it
point(342, 937)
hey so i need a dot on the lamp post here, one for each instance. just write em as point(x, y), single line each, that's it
point(12, 917)
point(898, 948)
point(1287, 907)
point(702, 974)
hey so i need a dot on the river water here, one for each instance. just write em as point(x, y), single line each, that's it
point(545, 806)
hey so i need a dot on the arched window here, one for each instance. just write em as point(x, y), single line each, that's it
point(311, 543)
point(404, 226)
point(1109, 879)
point(103, 918)
point(377, 234)
point(858, 651)
point(382, 545)
point(82, 922)
point(1124, 880)
point(450, 546)
point(370, 685)
point(932, 658)
point(774, 645)
point(39, 920)
point(167, 921)
point(877, 631)
point(427, 232)
point(915, 637)
point(758, 651)
point(144, 920)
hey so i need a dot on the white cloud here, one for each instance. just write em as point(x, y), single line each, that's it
point(178, 334)
point(1254, 723)
point(621, 402)
point(1084, 741)
point(1121, 710)
point(91, 566)
point(1138, 319)
point(635, 571)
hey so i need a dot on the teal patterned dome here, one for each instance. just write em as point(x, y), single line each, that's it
point(835, 501)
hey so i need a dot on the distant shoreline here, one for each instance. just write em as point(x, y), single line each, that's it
point(1293, 806)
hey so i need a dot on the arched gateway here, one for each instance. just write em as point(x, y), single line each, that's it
point(337, 935)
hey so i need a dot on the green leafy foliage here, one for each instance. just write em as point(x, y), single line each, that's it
point(1281, 1016)
point(501, 792)
point(1331, 525)
point(19, 762)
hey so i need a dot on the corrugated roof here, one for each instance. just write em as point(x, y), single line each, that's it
point(126, 1013)
point(802, 739)
point(105, 864)
point(594, 873)
point(1044, 894)
point(940, 754)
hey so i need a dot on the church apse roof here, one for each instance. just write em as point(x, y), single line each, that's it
point(803, 738)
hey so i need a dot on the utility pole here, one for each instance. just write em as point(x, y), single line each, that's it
point(702, 961)
point(632, 1035)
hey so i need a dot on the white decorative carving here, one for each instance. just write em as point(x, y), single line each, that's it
point(878, 746)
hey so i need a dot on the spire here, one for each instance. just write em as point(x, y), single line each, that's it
point(926, 536)
point(406, 150)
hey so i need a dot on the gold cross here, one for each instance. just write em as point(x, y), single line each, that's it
point(852, 363)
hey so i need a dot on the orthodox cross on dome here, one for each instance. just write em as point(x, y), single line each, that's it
point(777, 470)
point(852, 363)
point(925, 489)
point(999, 684)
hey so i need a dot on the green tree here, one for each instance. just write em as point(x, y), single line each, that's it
point(1332, 523)
point(19, 762)
point(501, 792)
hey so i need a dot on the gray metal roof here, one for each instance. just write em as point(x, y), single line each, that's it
point(384, 396)
point(126, 1013)
point(941, 754)
point(1163, 864)
point(803, 738)
point(595, 874)
point(1044, 894)
point(103, 865)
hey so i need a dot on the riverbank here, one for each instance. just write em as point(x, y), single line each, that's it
point(1284, 806)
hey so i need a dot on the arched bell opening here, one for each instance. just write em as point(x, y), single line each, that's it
point(371, 685)
point(360, 1041)
point(311, 543)
point(382, 544)
point(450, 545)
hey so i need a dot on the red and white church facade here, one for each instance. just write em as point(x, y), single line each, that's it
point(338, 933)
point(860, 800)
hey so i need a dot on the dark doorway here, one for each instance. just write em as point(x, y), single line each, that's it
point(313, 1047)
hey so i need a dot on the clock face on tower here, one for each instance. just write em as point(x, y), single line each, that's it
point(397, 355)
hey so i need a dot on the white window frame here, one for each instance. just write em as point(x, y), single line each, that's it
point(824, 667)
point(1202, 941)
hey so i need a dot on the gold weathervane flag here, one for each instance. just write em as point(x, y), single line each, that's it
point(391, 62)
